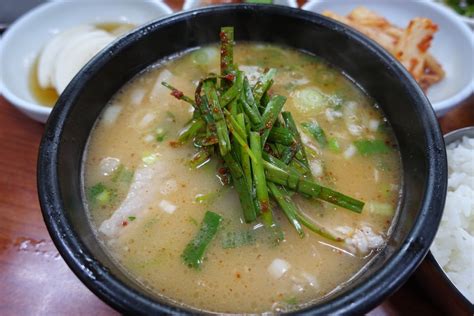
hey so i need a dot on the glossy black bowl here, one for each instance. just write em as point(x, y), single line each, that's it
point(403, 102)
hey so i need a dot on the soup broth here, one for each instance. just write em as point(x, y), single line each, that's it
point(146, 199)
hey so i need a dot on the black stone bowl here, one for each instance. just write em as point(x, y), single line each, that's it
point(403, 102)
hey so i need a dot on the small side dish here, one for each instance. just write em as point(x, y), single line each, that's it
point(453, 247)
point(66, 53)
point(410, 45)
point(282, 185)
point(23, 41)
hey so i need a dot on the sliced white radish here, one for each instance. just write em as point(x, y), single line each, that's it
point(167, 206)
point(76, 54)
point(137, 95)
point(111, 114)
point(278, 268)
point(108, 165)
point(146, 120)
point(316, 168)
point(350, 151)
point(158, 88)
point(48, 56)
point(373, 125)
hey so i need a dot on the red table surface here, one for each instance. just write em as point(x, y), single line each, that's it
point(34, 279)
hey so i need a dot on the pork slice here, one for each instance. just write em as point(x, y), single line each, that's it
point(143, 190)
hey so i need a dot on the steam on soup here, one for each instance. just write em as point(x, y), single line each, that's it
point(171, 209)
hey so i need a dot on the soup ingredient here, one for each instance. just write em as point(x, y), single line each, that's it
point(236, 239)
point(100, 194)
point(252, 181)
point(453, 246)
point(193, 254)
point(146, 183)
point(463, 7)
point(371, 146)
point(317, 132)
point(278, 268)
point(410, 45)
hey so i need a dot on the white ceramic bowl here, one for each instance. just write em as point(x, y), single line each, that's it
point(25, 38)
point(194, 4)
point(453, 44)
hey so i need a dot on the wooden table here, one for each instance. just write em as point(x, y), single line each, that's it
point(34, 280)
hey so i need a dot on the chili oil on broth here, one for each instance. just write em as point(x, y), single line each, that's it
point(147, 244)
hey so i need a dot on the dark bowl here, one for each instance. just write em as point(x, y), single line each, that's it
point(382, 77)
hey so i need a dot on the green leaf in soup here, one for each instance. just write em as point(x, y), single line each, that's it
point(367, 147)
point(333, 145)
point(193, 254)
point(317, 132)
point(122, 174)
point(160, 134)
point(100, 194)
point(383, 209)
point(235, 239)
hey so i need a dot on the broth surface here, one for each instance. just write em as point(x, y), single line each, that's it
point(132, 152)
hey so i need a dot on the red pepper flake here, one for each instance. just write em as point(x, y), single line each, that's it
point(174, 144)
point(229, 77)
point(212, 139)
point(124, 223)
point(265, 207)
point(177, 94)
point(222, 170)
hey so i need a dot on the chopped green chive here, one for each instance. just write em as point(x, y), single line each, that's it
point(100, 194)
point(160, 134)
point(333, 145)
point(193, 254)
point(317, 132)
point(368, 147)
point(235, 239)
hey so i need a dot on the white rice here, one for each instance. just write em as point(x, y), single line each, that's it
point(453, 247)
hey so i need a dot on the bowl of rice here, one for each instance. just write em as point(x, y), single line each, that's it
point(448, 272)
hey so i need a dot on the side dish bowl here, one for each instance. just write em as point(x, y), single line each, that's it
point(24, 39)
point(402, 101)
point(458, 83)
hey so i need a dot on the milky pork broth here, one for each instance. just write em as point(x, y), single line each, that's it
point(148, 194)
